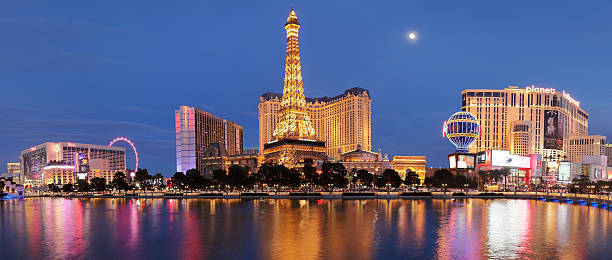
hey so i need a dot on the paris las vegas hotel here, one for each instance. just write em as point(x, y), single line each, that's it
point(532, 120)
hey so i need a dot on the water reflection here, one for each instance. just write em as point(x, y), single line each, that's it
point(46, 228)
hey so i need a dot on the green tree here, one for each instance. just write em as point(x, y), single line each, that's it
point(195, 180)
point(290, 178)
point(365, 178)
point(379, 181)
point(272, 174)
point(446, 177)
point(52, 187)
point(179, 180)
point(98, 184)
point(412, 178)
point(143, 178)
point(580, 184)
point(220, 176)
point(392, 178)
point(333, 174)
point(68, 187)
point(82, 185)
point(237, 176)
point(310, 175)
point(119, 181)
point(158, 180)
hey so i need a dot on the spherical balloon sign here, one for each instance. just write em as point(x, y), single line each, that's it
point(462, 129)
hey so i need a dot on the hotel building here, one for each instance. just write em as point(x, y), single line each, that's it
point(365, 160)
point(60, 174)
point(343, 121)
point(14, 171)
point(104, 161)
point(592, 145)
point(529, 120)
point(196, 129)
point(608, 148)
point(217, 158)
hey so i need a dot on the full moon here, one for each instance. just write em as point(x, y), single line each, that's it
point(412, 36)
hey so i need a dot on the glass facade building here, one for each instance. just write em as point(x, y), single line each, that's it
point(196, 129)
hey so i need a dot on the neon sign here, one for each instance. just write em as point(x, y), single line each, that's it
point(570, 99)
point(534, 89)
point(540, 90)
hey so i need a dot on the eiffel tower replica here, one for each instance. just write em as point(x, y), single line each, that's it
point(295, 143)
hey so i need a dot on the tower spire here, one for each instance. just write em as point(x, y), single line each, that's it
point(293, 119)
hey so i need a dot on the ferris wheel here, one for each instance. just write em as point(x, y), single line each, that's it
point(125, 139)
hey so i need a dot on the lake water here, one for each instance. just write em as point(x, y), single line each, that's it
point(50, 228)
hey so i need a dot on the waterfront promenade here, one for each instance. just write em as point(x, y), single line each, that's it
point(600, 200)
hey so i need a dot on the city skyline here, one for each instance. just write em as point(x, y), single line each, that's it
point(393, 70)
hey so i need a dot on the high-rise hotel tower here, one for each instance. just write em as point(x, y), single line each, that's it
point(530, 120)
point(196, 129)
point(293, 141)
point(343, 122)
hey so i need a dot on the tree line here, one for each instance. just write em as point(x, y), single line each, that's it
point(142, 180)
point(331, 175)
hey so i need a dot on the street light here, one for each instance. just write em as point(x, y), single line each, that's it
point(444, 187)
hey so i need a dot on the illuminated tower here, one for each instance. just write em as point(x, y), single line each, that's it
point(293, 119)
point(294, 141)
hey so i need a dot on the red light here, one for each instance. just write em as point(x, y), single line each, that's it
point(319, 171)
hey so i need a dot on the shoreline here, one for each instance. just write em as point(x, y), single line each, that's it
point(602, 200)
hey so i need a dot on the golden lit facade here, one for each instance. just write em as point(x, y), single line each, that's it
point(520, 138)
point(59, 174)
point(414, 163)
point(343, 122)
point(294, 120)
point(365, 160)
point(104, 161)
point(553, 117)
point(293, 139)
point(216, 157)
point(592, 145)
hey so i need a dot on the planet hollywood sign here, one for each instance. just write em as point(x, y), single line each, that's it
point(533, 89)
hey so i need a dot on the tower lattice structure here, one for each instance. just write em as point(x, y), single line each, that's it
point(294, 143)
point(293, 116)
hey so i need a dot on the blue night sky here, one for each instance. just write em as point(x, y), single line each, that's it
point(87, 71)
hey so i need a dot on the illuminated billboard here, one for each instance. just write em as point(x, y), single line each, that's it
point(465, 161)
point(502, 158)
point(553, 133)
point(462, 161)
point(565, 170)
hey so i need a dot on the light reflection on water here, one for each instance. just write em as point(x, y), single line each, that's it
point(47, 228)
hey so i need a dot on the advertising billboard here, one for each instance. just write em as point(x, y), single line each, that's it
point(553, 133)
point(565, 171)
point(462, 161)
point(481, 157)
point(501, 158)
point(465, 161)
point(82, 166)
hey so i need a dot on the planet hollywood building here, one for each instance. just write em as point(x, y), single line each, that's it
point(524, 121)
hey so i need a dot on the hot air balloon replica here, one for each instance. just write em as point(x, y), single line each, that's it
point(462, 130)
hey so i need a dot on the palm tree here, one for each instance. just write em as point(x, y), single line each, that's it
point(504, 172)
